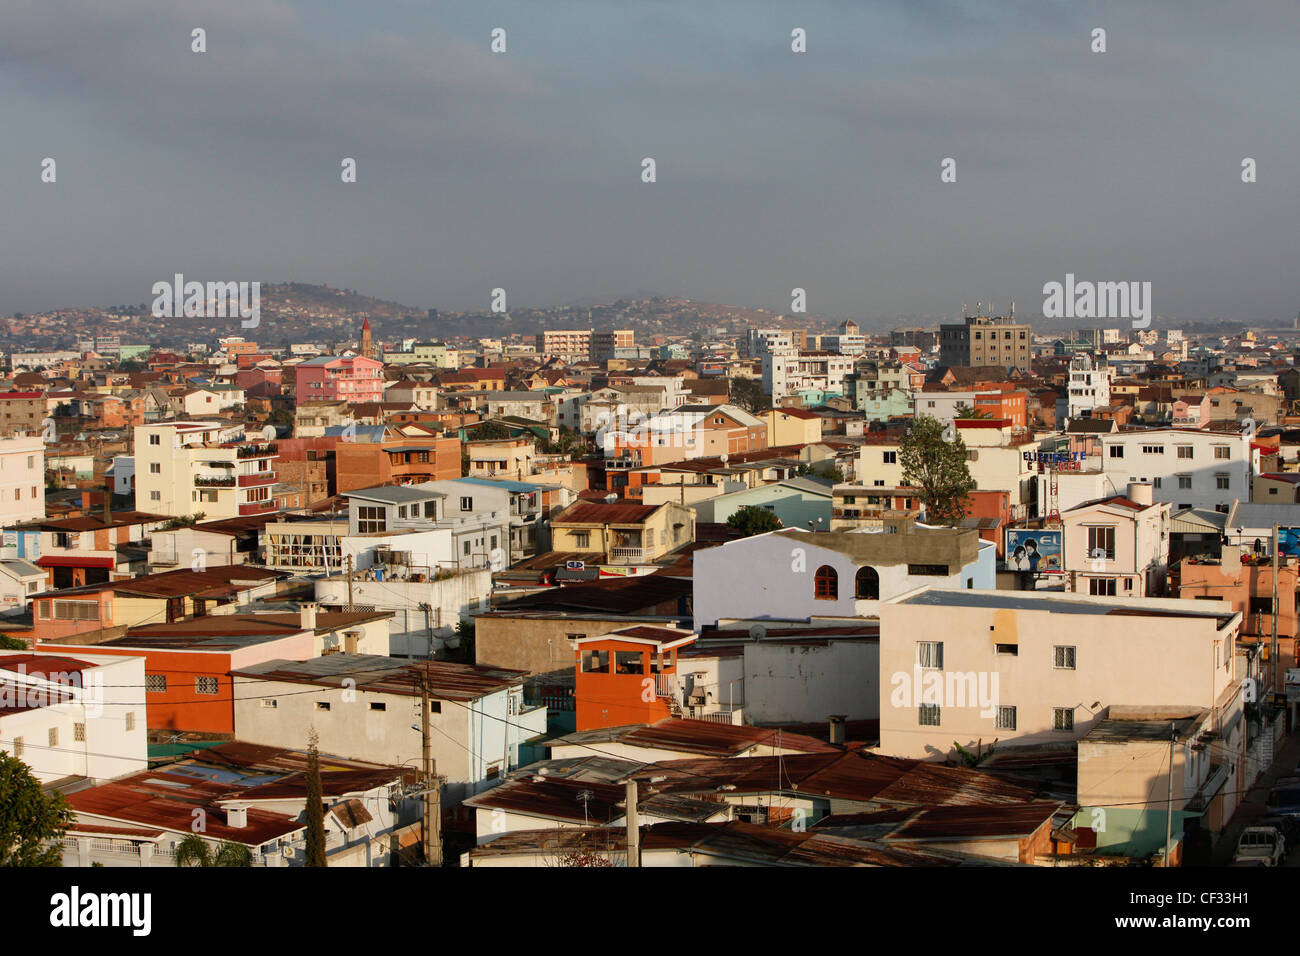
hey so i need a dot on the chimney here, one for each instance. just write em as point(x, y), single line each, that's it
point(307, 615)
point(1139, 492)
point(237, 817)
point(837, 729)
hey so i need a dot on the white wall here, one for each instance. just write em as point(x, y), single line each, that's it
point(806, 683)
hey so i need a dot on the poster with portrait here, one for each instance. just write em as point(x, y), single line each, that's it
point(1038, 552)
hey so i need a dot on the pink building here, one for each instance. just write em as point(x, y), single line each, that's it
point(351, 379)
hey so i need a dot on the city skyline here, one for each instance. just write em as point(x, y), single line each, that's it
point(775, 170)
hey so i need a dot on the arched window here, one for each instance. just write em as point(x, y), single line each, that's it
point(868, 585)
point(826, 584)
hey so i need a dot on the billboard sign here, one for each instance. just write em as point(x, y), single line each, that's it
point(1038, 552)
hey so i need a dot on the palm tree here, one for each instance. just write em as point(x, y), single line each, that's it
point(196, 851)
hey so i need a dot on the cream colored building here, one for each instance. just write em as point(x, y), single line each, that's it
point(1042, 668)
point(22, 480)
point(791, 426)
point(183, 468)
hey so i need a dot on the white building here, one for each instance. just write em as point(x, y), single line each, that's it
point(73, 715)
point(367, 708)
point(795, 574)
point(1089, 387)
point(1186, 467)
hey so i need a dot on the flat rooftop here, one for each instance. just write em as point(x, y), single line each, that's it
point(1061, 603)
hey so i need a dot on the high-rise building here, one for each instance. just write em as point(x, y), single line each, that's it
point(986, 340)
point(567, 344)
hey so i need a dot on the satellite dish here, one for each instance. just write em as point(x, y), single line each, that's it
point(269, 433)
point(758, 632)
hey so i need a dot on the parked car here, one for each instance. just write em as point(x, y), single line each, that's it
point(1284, 801)
point(1290, 826)
point(1264, 845)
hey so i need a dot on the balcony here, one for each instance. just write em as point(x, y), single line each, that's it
point(628, 555)
point(204, 481)
point(257, 479)
point(257, 508)
point(257, 450)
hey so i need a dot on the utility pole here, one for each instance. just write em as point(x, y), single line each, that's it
point(633, 820)
point(349, 562)
point(432, 828)
point(1272, 654)
point(1169, 807)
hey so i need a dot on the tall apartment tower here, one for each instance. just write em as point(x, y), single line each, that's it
point(986, 340)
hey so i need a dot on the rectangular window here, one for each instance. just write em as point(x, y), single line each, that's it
point(54, 736)
point(466, 504)
point(1063, 657)
point(130, 721)
point(1063, 718)
point(322, 705)
point(205, 685)
point(1184, 481)
point(155, 683)
point(378, 705)
point(1101, 587)
point(928, 715)
point(1221, 481)
point(269, 703)
point(1116, 451)
point(155, 439)
point(595, 662)
point(1012, 649)
point(1222, 451)
point(928, 570)
point(431, 509)
point(628, 662)
point(371, 519)
point(929, 654)
point(1101, 543)
point(891, 457)
point(1184, 451)
point(79, 733)
point(1006, 719)
point(1153, 449)
point(19, 747)
point(582, 539)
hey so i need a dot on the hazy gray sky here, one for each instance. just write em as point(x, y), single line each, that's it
point(775, 169)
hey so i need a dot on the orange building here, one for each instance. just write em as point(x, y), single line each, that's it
point(399, 461)
point(1245, 581)
point(188, 665)
point(627, 676)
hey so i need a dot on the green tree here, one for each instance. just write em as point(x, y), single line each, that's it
point(488, 431)
point(315, 806)
point(32, 824)
point(196, 851)
point(751, 520)
point(934, 460)
point(747, 394)
point(8, 643)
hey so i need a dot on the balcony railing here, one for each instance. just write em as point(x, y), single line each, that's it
point(627, 555)
point(203, 482)
point(257, 451)
point(257, 479)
